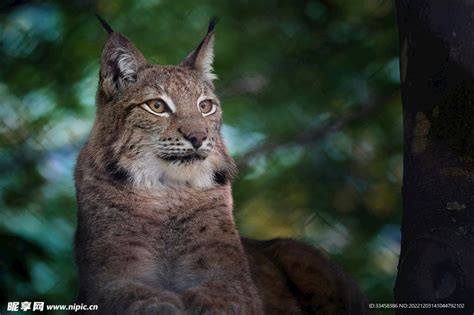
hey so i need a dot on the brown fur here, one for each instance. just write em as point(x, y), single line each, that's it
point(155, 226)
point(294, 278)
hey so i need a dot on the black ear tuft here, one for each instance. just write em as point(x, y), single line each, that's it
point(201, 58)
point(105, 25)
point(119, 64)
point(212, 24)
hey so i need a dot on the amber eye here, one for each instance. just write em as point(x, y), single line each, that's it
point(156, 106)
point(207, 107)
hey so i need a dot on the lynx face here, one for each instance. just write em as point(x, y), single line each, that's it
point(178, 116)
point(160, 125)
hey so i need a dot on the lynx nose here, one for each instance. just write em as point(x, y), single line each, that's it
point(196, 138)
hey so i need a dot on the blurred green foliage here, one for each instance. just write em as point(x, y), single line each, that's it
point(286, 68)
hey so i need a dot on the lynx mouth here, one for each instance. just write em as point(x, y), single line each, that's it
point(194, 157)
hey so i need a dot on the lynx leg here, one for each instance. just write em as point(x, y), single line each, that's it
point(129, 297)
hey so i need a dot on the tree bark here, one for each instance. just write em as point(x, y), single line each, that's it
point(437, 69)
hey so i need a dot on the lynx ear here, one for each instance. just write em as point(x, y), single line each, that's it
point(202, 57)
point(119, 62)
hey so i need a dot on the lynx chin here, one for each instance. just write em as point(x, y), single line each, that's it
point(156, 233)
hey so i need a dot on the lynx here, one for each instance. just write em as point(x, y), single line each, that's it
point(156, 233)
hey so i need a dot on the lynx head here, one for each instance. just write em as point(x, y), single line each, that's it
point(159, 125)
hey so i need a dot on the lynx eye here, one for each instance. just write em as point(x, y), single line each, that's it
point(156, 107)
point(207, 107)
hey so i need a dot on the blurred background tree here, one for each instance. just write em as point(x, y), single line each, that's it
point(310, 91)
point(436, 263)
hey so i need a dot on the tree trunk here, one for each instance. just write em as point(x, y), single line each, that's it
point(437, 69)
